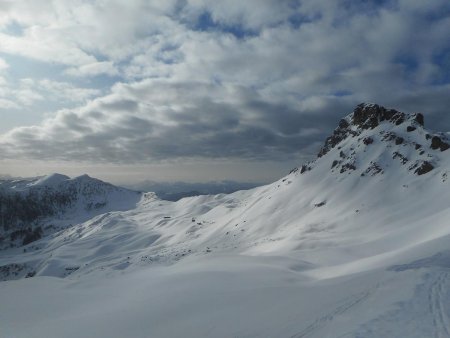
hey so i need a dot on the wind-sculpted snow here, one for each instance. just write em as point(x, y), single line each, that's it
point(352, 244)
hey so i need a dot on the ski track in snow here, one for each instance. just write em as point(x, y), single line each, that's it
point(437, 300)
point(346, 305)
point(434, 292)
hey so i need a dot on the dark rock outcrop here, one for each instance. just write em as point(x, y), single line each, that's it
point(368, 140)
point(304, 168)
point(419, 119)
point(369, 116)
point(339, 134)
point(373, 169)
point(402, 158)
point(399, 140)
point(347, 166)
point(424, 168)
point(437, 143)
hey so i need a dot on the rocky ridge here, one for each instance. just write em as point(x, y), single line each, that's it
point(401, 137)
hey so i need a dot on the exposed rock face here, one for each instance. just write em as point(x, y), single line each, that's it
point(419, 119)
point(424, 168)
point(304, 168)
point(339, 134)
point(437, 143)
point(368, 116)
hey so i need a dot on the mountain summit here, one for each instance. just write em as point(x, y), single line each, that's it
point(37, 207)
point(372, 138)
point(369, 116)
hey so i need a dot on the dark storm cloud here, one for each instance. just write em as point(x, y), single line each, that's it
point(246, 80)
point(249, 128)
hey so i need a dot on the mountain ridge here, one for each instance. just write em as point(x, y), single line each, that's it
point(370, 124)
point(36, 207)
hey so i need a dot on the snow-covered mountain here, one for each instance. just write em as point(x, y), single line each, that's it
point(355, 243)
point(36, 207)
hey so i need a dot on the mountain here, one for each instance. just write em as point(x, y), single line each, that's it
point(36, 207)
point(174, 191)
point(355, 243)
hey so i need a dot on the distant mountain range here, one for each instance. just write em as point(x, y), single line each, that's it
point(174, 191)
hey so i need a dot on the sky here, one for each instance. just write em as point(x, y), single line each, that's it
point(202, 90)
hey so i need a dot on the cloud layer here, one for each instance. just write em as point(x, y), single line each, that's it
point(235, 80)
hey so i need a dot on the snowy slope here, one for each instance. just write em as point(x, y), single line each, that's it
point(353, 244)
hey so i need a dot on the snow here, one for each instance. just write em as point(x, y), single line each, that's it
point(320, 254)
point(226, 296)
point(52, 180)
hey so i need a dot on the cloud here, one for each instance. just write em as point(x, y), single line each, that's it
point(3, 65)
point(27, 92)
point(93, 69)
point(57, 90)
point(44, 45)
point(158, 119)
point(250, 15)
point(15, 98)
point(8, 104)
point(82, 34)
point(251, 80)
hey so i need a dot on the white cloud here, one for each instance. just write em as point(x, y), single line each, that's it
point(76, 33)
point(3, 65)
point(27, 92)
point(262, 79)
point(43, 45)
point(65, 91)
point(8, 104)
point(92, 69)
point(19, 96)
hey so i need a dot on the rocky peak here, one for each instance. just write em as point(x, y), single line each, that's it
point(369, 116)
point(372, 139)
